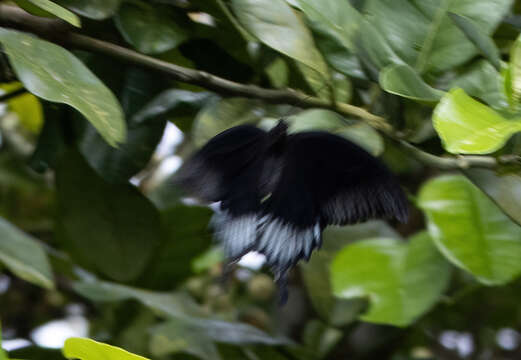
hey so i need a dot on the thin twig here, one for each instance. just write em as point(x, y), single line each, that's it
point(12, 94)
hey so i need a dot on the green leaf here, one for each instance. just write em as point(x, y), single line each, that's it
point(151, 29)
point(336, 18)
point(3, 354)
point(467, 126)
point(316, 274)
point(268, 19)
point(402, 281)
point(87, 349)
point(173, 103)
point(112, 228)
point(25, 257)
point(177, 336)
point(483, 42)
point(93, 9)
point(181, 308)
point(470, 230)
point(58, 11)
point(503, 189)
point(403, 80)
point(186, 236)
point(421, 33)
point(319, 339)
point(515, 70)
point(53, 73)
point(325, 120)
point(220, 115)
point(483, 81)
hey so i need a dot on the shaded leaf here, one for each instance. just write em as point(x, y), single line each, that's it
point(426, 37)
point(172, 103)
point(470, 230)
point(94, 9)
point(483, 81)
point(402, 80)
point(467, 126)
point(515, 71)
point(482, 41)
point(503, 189)
point(87, 349)
point(112, 228)
point(22, 255)
point(402, 281)
point(54, 74)
point(268, 19)
point(325, 120)
point(151, 29)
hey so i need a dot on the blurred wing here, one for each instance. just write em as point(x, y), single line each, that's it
point(325, 180)
point(227, 169)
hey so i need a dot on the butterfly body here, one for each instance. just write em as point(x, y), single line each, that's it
point(278, 191)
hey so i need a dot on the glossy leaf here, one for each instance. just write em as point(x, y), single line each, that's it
point(111, 228)
point(467, 126)
point(482, 41)
point(151, 29)
point(24, 256)
point(503, 189)
point(58, 11)
point(422, 34)
point(54, 74)
point(94, 9)
point(402, 80)
point(268, 19)
point(470, 230)
point(87, 349)
point(402, 281)
point(316, 273)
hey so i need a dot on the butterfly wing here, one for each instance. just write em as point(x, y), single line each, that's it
point(227, 169)
point(325, 180)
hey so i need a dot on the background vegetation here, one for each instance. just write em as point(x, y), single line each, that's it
point(92, 234)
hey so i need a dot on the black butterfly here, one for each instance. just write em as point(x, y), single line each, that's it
point(278, 191)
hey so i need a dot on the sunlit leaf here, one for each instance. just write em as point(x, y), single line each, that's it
point(470, 230)
point(111, 228)
point(402, 80)
point(56, 10)
point(53, 73)
point(269, 19)
point(467, 126)
point(22, 255)
point(87, 349)
point(94, 9)
point(316, 273)
point(149, 28)
point(483, 42)
point(26, 106)
point(402, 281)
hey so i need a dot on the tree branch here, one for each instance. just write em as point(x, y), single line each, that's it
point(61, 32)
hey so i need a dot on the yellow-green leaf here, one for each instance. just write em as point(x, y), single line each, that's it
point(87, 349)
point(467, 126)
point(54, 9)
